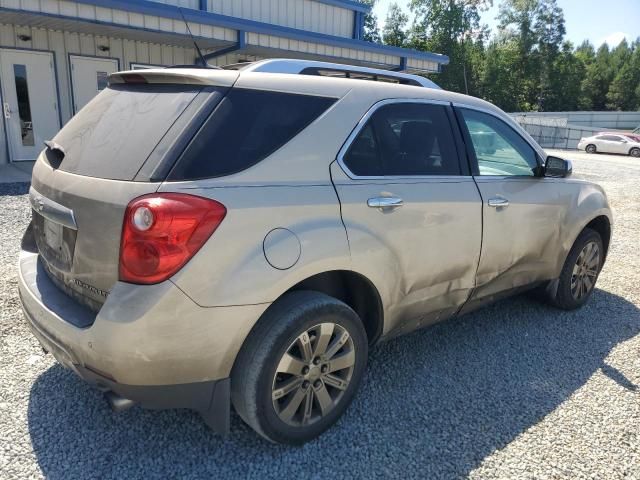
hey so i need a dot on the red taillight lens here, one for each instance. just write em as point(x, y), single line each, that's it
point(161, 232)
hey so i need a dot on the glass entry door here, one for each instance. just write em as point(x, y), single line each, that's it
point(30, 99)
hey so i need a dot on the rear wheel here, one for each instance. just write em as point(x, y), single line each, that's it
point(591, 148)
point(635, 152)
point(580, 271)
point(300, 367)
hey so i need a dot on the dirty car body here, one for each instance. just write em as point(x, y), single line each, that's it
point(370, 193)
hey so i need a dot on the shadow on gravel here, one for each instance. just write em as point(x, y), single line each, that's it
point(433, 404)
point(13, 189)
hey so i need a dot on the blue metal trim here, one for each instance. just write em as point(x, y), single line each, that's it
point(69, 55)
point(356, 25)
point(348, 4)
point(56, 84)
point(209, 18)
point(203, 5)
point(240, 44)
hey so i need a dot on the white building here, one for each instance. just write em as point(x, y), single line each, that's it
point(55, 55)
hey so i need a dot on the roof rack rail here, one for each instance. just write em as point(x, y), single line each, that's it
point(310, 67)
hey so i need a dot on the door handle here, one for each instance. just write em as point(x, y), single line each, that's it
point(7, 111)
point(498, 202)
point(385, 202)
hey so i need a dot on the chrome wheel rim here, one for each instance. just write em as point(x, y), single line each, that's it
point(585, 271)
point(313, 374)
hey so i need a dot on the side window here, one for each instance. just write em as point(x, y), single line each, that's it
point(244, 129)
point(404, 139)
point(498, 148)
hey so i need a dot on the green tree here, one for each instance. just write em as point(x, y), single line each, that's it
point(395, 27)
point(549, 31)
point(371, 31)
point(538, 28)
point(451, 27)
point(598, 77)
point(499, 78)
point(625, 60)
point(566, 73)
point(585, 54)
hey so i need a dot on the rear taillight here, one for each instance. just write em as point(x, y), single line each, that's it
point(161, 232)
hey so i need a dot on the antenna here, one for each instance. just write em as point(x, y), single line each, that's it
point(202, 59)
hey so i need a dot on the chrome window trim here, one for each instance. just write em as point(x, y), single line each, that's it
point(360, 125)
point(51, 210)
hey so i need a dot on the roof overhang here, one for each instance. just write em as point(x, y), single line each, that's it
point(94, 27)
point(160, 10)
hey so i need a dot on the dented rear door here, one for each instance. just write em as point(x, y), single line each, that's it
point(413, 215)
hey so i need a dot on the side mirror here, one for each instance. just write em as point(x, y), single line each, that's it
point(557, 167)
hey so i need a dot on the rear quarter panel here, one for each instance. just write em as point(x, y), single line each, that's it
point(232, 269)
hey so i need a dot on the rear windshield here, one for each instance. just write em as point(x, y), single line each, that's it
point(246, 127)
point(114, 134)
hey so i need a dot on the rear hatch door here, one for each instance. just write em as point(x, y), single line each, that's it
point(119, 147)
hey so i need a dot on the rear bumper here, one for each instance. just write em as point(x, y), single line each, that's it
point(210, 398)
point(151, 344)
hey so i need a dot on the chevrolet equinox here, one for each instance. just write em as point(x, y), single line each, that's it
point(202, 238)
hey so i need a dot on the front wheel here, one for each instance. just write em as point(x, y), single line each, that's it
point(635, 152)
point(300, 367)
point(591, 148)
point(580, 271)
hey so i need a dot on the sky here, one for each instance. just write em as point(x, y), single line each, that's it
point(584, 19)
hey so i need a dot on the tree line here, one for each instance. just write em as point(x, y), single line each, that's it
point(526, 65)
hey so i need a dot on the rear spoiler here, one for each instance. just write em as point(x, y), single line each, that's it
point(177, 76)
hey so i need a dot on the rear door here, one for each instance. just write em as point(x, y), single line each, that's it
point(608, 144)
point(522, 211)
point(411, 210)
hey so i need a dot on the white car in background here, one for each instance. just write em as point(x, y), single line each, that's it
point(610, 143)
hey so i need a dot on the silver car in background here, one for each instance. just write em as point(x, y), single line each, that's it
point(203, 238)
point(610, 143)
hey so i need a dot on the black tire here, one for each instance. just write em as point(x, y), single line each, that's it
point(253, 377)
point(635, 152)
point(564, 298)
point(591, 148)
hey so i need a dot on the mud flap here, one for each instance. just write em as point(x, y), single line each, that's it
point(218, 415)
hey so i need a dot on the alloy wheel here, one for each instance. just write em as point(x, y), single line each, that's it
point(313, 374)
point(585, 271)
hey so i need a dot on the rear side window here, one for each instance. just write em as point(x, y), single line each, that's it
point(113, 135)
point(405, 139)
point(245, 128)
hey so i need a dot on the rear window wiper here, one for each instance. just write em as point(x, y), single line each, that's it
point(55, 153)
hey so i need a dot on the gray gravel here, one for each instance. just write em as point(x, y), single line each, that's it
point(517, 390)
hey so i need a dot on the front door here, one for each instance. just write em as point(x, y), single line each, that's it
point(413, 216)
point(30, 101)
point(522, 212)
point(89, 76)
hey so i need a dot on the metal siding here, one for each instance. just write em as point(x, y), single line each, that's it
point(302, 14)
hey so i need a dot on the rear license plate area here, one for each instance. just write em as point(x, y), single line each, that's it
point(56, 243)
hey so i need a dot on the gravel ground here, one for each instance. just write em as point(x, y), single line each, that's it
point(517, 390)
